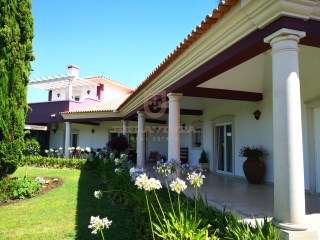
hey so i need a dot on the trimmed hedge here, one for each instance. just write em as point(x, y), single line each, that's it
point(53, 162)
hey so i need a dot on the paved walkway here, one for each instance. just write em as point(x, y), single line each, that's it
point(247, 200)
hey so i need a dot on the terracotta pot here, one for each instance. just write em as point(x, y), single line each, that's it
point(254, 170)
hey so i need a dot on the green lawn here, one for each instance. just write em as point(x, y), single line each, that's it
point(63, 213)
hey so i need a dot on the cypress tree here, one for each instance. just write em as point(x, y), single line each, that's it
point(16, 34)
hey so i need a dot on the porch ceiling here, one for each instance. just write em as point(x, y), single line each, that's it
point(246, 77)
point(243, 82)
point(219, 72)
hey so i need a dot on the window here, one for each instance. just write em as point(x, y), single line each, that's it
point(197, 134)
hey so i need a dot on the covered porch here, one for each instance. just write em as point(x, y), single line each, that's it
point(247, 200)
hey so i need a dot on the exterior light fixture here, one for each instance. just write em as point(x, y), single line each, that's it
point(88, 91)
point(58, 94)
point(92, 131)
point(257, 114)
point(54, 131)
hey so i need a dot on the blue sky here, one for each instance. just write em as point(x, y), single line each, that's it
point(120, 39)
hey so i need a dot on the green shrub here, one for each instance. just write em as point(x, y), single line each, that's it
point(32, 147)
point(54, 162)
point(18, 188)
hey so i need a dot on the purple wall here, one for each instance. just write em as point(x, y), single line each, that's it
point(40, 113)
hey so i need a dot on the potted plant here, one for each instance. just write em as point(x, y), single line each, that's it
point(203, 160)
point(253, 168)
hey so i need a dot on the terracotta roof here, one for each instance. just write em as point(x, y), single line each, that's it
point(223, 7)
point(107, 106)
point(108, 79)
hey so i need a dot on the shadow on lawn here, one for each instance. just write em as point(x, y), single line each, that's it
point(87, 204)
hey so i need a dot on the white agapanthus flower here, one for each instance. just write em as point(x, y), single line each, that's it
point(78, 148)
point(178, 186)
point(46, 151)
point(123, 157)
point(97, 224)
point(143, 182)
point(195, 179)
point(88, 149)
point(98, 194)
point(153, 184)
point(60, 148)
point(117, 161)
point(51, 150)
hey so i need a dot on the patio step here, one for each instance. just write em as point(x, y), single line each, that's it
point(312, 222)
point(310, 234)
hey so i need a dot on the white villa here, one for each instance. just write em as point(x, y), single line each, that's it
point(247, 55)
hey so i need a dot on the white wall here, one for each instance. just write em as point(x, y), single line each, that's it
point(76, 91)
point(95, 140)
point(62, 92)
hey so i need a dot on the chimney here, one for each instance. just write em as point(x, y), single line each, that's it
point(73, 70)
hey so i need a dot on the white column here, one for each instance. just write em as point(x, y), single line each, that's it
point(174, 126)
point(125, 124)
point(67, 142)
point(289, 193)
point(141, 143)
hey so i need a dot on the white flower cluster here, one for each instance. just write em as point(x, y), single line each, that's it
point(88, 149)
point(98, 194)
point(148, 184)
point(163, 168)
point(71, 149)
point(124, 157)
point(195, 179)
point(178, 186)
point(118, 171)
point(118, 161)
point(97, 224)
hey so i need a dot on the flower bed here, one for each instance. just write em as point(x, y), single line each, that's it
point(17, 189)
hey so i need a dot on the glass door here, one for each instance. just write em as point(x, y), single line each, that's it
point(74, 140)
point(224, 148)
